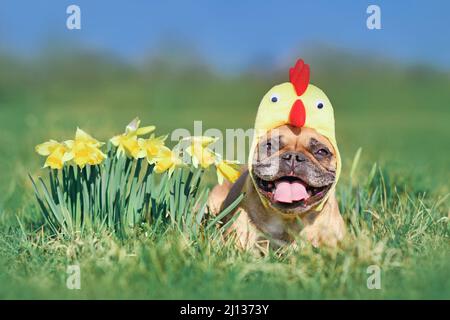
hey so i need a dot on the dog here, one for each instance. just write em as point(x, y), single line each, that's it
point(288, 192)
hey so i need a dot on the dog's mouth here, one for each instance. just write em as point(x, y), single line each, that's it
point(290, 192)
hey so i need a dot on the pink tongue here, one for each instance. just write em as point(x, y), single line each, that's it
point(288, 192)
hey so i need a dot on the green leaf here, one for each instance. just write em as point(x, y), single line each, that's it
point(226, 211)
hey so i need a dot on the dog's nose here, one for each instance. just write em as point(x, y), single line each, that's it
point(293, 158)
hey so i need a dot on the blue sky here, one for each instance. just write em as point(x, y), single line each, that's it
point(232, 33)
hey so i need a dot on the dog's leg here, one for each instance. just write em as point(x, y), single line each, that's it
point(217, 196)
point(327, 228)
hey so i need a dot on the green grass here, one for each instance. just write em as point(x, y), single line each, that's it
point(396, 211)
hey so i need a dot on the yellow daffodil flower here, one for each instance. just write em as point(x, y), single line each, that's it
point(228, 170)
point(151, 146)
point(166, 160)
point(200, 155)
point(127, 143)
point(84, 150)
point(54, 151)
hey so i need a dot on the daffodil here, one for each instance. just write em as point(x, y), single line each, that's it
point(127, 145)
point(127, 142)
point(166, 160)
point(84, 150)
point(228, 170)
point(151, 146)
point(54, 151)
point(201, 155)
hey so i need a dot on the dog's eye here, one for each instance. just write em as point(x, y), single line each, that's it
point(269, 149)
point(319, 104)
point(322, 152)
point(274, 98)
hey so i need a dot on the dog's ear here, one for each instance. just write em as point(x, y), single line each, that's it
point(235, 190)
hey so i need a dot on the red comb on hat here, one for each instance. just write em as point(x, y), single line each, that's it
point(299, 76)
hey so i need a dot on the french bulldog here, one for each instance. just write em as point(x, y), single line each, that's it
point(288, 192)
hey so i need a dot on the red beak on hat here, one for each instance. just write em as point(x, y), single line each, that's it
point(297, 116)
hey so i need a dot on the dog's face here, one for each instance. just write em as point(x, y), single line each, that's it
point(294, 168)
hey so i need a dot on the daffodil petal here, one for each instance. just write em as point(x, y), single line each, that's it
point(69, 143)
point(55, 159)
point(68, 156)
point(46, 148)
point(142, 143)
point(145, 130)
point(81, 135)
point(141, 154)
point(133, 125)
point(115, 140)
point(228, 171)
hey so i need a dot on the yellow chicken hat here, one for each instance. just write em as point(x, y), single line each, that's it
point(297, 103)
